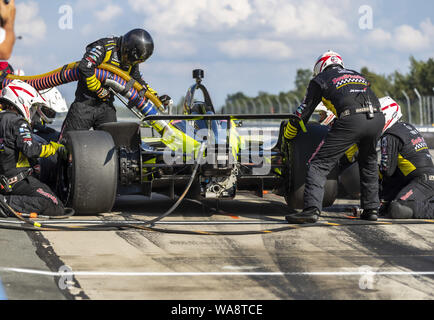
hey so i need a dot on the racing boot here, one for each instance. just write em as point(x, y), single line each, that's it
point(309, 215)
point(399, 210)
point(369, 215)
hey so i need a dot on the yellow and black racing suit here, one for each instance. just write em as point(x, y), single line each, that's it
point(89, 110)
point(18, 150)
point(407, 170)
point(359, 121)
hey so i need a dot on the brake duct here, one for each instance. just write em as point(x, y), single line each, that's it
point(147, 104)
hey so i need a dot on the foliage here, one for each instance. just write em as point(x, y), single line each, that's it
point(420, 76)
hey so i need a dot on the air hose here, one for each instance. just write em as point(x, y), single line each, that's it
point(144, 101)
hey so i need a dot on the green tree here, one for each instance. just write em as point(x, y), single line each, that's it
point(380, 84)
point(302, 80)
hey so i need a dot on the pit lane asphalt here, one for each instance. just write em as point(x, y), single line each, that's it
point(143, 264)
point(361, 262)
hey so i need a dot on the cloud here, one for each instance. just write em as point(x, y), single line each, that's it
point(175, 16)
point(108, 13)
point(28, 24)
point(175, 48)
point(380, 37)
point(22, 61)
point(404, 38)
point(307, 19)
point(257, 48)
point(408, 38)
point(312, 19)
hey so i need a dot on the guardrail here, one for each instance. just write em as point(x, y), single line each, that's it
point(418, 111)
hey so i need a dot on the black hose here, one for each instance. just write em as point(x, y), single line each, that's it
point(181, 198)
point(34, 225)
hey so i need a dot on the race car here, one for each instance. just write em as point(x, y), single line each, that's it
point(204, 155)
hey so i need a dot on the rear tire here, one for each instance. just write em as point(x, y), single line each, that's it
point(350, 182)
point(91, 178)
point(301, 150)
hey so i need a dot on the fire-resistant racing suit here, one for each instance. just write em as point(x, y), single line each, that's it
point(359, 121)
point(407, 170)
point(18, 149)
point(89, 110)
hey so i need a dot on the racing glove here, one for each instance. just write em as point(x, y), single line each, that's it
point(103, 93)
point(94, 85)
point(148, 88)
point(51, 149)
point(166, 101)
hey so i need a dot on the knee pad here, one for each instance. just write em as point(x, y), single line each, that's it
point(400, 210)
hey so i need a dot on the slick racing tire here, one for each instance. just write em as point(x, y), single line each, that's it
point(350, 182)
point(301, 150)
point(90, 174)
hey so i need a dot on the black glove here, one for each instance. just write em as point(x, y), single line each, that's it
point(166, 100)
point(103, 93)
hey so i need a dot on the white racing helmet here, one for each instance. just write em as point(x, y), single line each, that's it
point(55, 104)
point(23, 97)
point(329, 116)
point(391, 110)
point(327, 59)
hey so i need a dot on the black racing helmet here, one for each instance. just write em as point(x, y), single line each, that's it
point(136, 47)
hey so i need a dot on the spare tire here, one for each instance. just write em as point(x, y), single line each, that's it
point(301, 150)
point(91, 175)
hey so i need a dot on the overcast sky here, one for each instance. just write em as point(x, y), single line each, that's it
point(243, 45)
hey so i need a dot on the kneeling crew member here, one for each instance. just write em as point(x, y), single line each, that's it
point(19, 189)
point(407, 170)
point(360, 121)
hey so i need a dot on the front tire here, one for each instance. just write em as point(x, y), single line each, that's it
point(91, 174)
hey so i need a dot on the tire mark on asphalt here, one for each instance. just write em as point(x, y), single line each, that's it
point(394, 253)
point(299, 288)
point(46, 253)
point(229, 252)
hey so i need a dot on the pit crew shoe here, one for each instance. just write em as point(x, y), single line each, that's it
point(369, 215)
point(399, 211)
point(309, 215)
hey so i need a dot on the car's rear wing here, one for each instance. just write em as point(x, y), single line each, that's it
point(229, 117)
point(279, 116)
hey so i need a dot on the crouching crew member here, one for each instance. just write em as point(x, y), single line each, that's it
point(18, 151)
point(407, 170)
